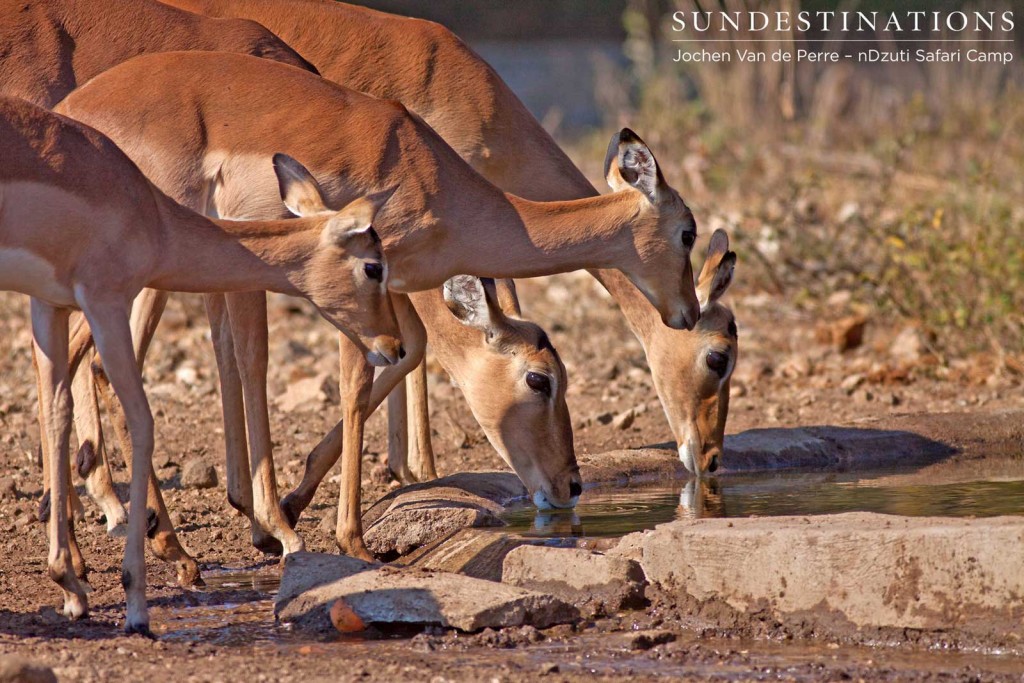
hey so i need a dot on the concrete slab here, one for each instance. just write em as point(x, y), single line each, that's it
point(866, 569)
point(379, 594)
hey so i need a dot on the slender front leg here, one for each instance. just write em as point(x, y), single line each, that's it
point(236, 447)
point(421, 451)
point(113, 338)
point(398, 435)
point(163, 541)
point(248, 314)
point(356, 385)
point(50, 333)
point(327, 452)
point(91, 461)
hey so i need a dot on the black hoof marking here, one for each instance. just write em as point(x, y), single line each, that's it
point(126, 579)
point(140, 630)
point(288, 508)
point(152, 522)
point(85, 460)
point(44, 508)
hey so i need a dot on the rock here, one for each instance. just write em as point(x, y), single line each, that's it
point(8, 489)
point(548, 668)
point(380, 595)
point(604, 418)
point(474, 552)
point(797, 365)
point(624, 420)
point(198, 475)
point(850, 383)
point(17, 670)
point(187, 374)
point(848, 211)
point(908, 346)
point(645, 640)
point(844, 334)
point(328, 525)
point(423, 513)
point(307, 394)
point(871, 570)
point(596, 583)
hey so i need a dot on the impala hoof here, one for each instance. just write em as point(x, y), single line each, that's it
point(139, 630)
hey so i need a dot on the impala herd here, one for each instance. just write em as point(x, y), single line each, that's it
point(153, 147)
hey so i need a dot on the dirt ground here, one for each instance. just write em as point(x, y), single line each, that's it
point(787, 375)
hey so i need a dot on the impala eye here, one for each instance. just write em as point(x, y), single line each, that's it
point(374, 271)
point(689, 238)
point(539, 383)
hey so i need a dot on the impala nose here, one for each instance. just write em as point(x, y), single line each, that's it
point(575, 489)
point(713, 465)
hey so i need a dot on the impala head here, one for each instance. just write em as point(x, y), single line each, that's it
point(691, 370)
point(347, 277)
point(666, 231)
point(515, 384)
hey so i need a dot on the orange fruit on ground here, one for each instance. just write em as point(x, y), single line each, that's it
point(345, 619)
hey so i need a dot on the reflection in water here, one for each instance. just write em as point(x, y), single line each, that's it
point(615, 512)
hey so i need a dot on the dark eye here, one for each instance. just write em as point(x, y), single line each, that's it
point(718, 362)
point(689, 238)
point(374, 271)
point(539, 383)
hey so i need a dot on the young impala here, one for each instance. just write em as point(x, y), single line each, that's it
point(442, 219)
point(82, 228)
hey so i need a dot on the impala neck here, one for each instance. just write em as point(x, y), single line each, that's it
point(512, 237)
point(211, 255)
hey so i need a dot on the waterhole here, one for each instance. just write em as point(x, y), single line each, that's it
point(619, 511)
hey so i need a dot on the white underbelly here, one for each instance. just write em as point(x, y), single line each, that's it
point(25, 272)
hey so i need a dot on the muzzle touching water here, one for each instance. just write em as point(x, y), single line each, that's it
point(541, 500)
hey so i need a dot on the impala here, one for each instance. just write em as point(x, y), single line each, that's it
point(442, 218)
point(82, 228)
point(49, 48)
point(436, 75)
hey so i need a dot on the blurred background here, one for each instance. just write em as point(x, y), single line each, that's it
point(889, 191)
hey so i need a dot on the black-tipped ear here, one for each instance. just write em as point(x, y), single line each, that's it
point(717, 273)
point(630, 163)
point(299, 190)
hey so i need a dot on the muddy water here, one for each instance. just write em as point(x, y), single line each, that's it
point(614, 512)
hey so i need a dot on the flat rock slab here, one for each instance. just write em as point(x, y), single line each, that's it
point(479, 553)
point(862, 568)
point(421, 514)
point(594, 582)
point(809, 448)
point(382, 595)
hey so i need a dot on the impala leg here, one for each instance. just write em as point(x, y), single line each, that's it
point(50, 333)
point(44, 446)
point(398, 435)
point(421, 451)
point(327, 452)
point(91, 461)
point(236, 446)
point(356, 386)
point(112, 335)
point(75, 504)
point(164, 542)
point(248, 314)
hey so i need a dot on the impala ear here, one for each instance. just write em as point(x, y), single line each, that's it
point(474, 301)
point(630, 163)
point(355, 220)
point(717, 273)
point(508, 299)
point(299, 190)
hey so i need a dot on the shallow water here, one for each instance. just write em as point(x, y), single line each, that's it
point(618, 511)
